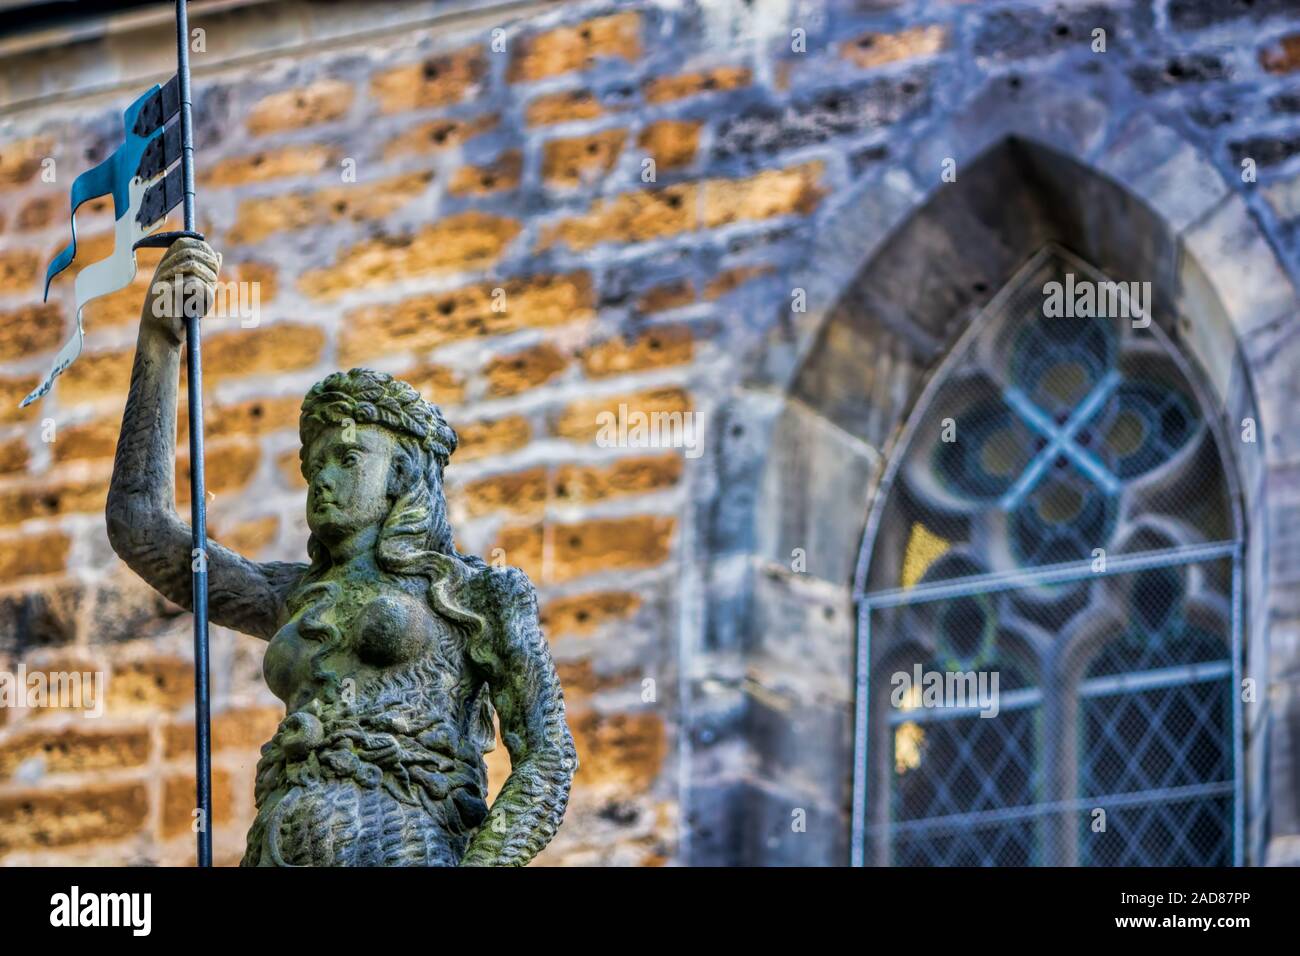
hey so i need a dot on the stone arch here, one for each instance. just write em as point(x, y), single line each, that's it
point(799, 450)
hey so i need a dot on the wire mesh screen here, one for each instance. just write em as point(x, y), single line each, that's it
point(1049, 626)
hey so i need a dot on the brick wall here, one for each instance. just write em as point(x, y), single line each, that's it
point(637, 181)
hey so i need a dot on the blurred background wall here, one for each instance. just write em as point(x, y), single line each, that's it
point(643, 185)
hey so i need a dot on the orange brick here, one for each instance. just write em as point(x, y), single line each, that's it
point(574, 484)
point(31, 819)
point(268, 164)
point(42, 553)
point(321, 102)
point(1282, 55)
point(732, 279)
point(427, 321)
point(671, 143)
point(587, 547)
point(577, 47)
point(49, 496)
point(14, 455)
point(240, 728)
point(581, 160)
point(13, 391)
point(527, 492)
point(520, 371)
point(261, 217)
point(523, 492)
point(261, 273)
point(72, 681)
point(467, 240)
point(584, 614)
point(40, 211)
point(656, 347)
point(520, 547)
point(562, 107)
point(630, 217)
point(289, 465)
point(152, 683)
point(624, 751)
point(76, 748)
point(21, 159)
point(662, 89)
point(21, 271)
point(123, 306)
point(668, 295)
point(229, 466)
point(88, 440)
point(269, 348)
point(256, 416)
point(491, 437)
point(773, 192)
point(876, 49)
point(581, 420)
point(438, 81)
point(437, 383)
point(580, 679)
point(437, 135)
point(30, 329)
point(99, 374)
point(498, 176)
point(249, 537)
point(179, 798)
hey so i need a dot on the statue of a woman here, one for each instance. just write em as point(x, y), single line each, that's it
point(389, 649)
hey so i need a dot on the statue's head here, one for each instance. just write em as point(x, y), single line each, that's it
point(373, 453)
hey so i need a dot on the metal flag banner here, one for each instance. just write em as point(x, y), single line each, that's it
point(143, 193)
point(139, 206)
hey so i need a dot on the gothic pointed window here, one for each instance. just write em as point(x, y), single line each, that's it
point(1048, 612)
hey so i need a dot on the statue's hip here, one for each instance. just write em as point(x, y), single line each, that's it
point(344, 796)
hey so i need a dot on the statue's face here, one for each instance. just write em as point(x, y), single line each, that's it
point(347, 486)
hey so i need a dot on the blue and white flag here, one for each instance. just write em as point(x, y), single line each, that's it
point(143, 193)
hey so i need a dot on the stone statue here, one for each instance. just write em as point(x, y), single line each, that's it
point(389, 649)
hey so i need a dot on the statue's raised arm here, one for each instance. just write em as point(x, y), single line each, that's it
point(143, 526)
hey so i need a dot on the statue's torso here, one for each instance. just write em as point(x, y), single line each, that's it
point(347, 637)
point(384, 728)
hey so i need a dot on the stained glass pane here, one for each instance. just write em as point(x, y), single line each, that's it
point(1048, 608)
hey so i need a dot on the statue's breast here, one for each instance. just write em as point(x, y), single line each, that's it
point(352, 635)
point(287, 664)
point(396, 629)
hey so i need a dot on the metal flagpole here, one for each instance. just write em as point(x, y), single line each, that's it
point(149, 147)
point(198, 502)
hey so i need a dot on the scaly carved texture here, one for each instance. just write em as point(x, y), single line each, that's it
point(530, 705)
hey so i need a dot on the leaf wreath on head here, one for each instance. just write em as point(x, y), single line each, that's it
point(367, 397)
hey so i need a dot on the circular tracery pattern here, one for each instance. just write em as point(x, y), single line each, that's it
point(1061, 520)
point(1037, 445)
point(1058, 361)
point(990, 455)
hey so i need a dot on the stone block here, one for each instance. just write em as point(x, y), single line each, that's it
point(815, 494)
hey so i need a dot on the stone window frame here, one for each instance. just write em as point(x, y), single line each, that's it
point(767, 654)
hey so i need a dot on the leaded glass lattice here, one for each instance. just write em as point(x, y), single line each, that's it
point(1059, 519)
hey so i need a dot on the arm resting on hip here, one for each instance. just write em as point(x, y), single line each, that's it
point(530, 706)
